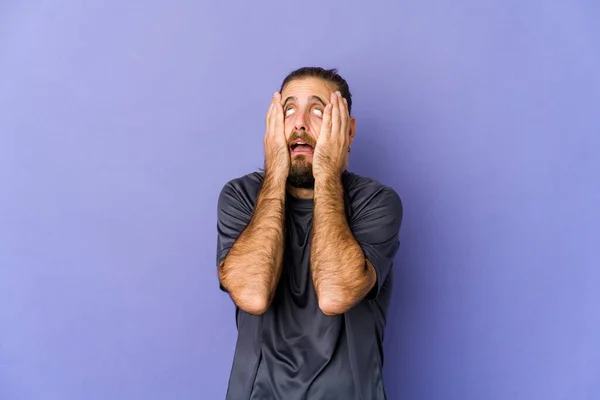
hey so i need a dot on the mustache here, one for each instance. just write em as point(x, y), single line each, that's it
point(302, 136)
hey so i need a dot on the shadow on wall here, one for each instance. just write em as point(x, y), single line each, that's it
point(369, 156)
point(383, 150)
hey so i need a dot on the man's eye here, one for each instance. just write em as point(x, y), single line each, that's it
point(289, 111)
point(318, 112)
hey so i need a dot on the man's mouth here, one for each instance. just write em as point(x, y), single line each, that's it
point(301, 147)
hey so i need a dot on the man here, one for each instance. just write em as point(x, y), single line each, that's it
point(305, 250)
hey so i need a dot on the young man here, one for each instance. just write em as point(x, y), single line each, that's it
point(305, 250)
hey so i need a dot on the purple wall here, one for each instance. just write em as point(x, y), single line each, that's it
point(119, 124)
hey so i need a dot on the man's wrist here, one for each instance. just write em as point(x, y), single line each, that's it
point(275, 181)
point(328, 179)
point(329, 190)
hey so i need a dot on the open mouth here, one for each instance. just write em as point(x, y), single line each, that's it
point(300, 146)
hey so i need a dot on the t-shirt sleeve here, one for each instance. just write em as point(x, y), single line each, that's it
point(233, 215)
point(376, 228)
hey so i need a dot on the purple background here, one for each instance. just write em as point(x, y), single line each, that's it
point(120, 121)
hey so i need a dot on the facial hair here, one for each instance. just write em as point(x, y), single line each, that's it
point(301, 173)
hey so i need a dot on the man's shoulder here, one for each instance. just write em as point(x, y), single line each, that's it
point(248, 183)
point(242, 189)
point(362, 190)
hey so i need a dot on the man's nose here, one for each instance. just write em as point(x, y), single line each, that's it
point(300, 122)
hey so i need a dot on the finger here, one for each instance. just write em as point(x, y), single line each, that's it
point(271, 114)
point(326, 124)
point(341, 112)
point(335, 114)
point(269, 111)
point(345, 116)
point(278, 115)
point(340, 115)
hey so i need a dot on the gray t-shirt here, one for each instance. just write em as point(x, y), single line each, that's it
point(294, 351)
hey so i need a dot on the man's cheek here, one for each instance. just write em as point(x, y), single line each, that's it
point(316, 126)
point(288, 129)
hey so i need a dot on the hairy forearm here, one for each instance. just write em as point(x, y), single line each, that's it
point(341, 275)
point(252, 268)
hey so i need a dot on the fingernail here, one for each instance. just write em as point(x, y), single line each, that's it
point(345, 101)
point(338, 93)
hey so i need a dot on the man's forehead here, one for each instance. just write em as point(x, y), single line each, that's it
point(306, 88)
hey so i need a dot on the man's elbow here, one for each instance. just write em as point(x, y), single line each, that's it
point(341, 301)
point(251, 302)
point(257, 305)
point(331, 306)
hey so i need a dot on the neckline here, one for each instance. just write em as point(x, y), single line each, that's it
point(298, 202)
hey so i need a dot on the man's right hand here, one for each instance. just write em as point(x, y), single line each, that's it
point(277, 156)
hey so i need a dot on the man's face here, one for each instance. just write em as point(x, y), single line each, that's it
point(304, 102)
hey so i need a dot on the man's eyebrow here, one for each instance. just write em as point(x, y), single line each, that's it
point(314, 98)
point(320, 100)
point(288, 99)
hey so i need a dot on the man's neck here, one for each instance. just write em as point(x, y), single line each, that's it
point(300, 193)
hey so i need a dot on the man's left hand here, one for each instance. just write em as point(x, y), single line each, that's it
point(331, 151)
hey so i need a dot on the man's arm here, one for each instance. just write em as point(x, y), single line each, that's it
point(341, 275)
point(251, 270)
point(350, 261)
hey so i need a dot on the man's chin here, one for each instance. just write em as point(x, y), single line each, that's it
point(301, 182)
point(301, 157)
point(301, 175)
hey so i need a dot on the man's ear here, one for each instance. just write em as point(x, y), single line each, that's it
point(352, 129)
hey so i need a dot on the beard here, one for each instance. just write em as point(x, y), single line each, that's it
point(301, 174)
